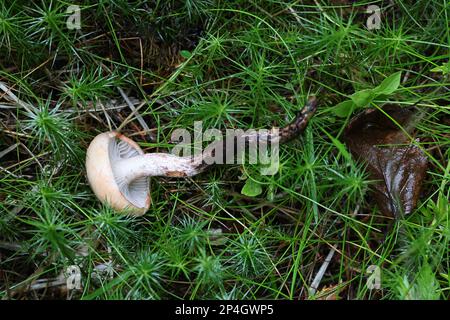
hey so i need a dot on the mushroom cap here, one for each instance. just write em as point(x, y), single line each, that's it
point(102, 155)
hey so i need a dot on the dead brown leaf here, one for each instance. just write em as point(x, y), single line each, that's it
point(398, 166)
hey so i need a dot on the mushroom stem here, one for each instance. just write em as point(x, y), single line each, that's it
point(170, 165)
point(157, 164)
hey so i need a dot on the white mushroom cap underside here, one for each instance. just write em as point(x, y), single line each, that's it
point(103, 151)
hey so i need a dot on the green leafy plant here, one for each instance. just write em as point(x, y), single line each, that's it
point(363, 98)
point(444, 68)
point(251, 188)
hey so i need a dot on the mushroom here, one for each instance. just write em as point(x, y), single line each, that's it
point(118, 170)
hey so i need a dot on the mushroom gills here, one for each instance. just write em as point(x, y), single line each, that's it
point(133, 191)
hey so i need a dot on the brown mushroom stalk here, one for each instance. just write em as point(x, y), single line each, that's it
point(118, 170)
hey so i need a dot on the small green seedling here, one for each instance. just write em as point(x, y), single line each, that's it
point(361, 99)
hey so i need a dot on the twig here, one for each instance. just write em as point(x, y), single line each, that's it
point(295, 14)
point(10, 246)
point(10, 173)
point(7, 150)
point(14, 98)
point(108, 119)
point(318, 278)
point(323, 268)
point(135, 111)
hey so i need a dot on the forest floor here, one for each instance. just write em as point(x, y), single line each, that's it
point(314, 230)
